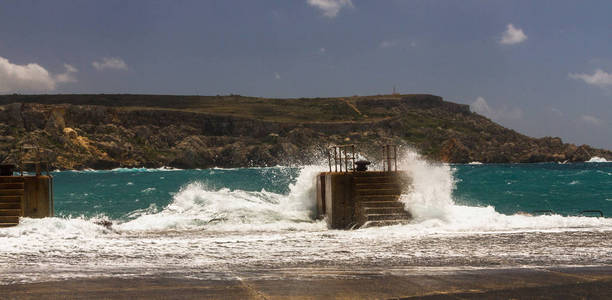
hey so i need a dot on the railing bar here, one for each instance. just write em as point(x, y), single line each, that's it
point(335, 160)
point(390, 167)
point(353, 158)
point(329, 159)
point(346, 159)
point(395, 156)
point(383, 158)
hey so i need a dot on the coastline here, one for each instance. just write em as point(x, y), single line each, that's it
point(593, 282)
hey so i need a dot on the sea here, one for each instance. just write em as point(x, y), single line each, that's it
point(259, 222)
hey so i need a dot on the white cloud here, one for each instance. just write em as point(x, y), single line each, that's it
point(513, 35)
point(591, 120)
point(277, 76)
point(111, 63)
point(556, 111)
point(388, 44)
point(600, 78)
point(68, 75)
point(31, 77)
point(481, 106)
point(330, 8)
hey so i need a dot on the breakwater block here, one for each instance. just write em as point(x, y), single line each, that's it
point(361, 199)
point(25, 196)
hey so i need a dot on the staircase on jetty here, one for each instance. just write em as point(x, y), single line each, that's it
point(25, 195)
point(11, 196)
point(377, 199)
point(349, 196)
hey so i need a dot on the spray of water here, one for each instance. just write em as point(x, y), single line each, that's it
point(429, 198)
point(199, 206)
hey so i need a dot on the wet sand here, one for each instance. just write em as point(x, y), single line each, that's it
point(312, 283)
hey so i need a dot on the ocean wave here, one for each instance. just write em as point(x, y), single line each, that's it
point(197, 205)
point(127, 170)
point(430, 201)
point(597, 159)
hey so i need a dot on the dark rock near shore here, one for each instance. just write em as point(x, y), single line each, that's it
point(85, 131)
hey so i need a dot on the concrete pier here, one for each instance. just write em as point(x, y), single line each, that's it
point(25, 196)
point(355, 199)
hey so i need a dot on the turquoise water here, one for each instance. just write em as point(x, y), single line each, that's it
point(118, 193)
point(238, 223)
point(566, 189)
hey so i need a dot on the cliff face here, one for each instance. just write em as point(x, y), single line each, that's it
point(203, 132)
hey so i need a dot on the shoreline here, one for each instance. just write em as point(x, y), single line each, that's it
point(169, 168)
point(594, 282)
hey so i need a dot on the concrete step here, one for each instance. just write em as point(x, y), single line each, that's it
point(378, 192)
point(14, 205)
point(10, 212)
point(364, 198)
point(381, 204)
point(382, 185)
point(11, 192)
point(12, 185)
point(10, 199)
point(383, 210)
point(375, 179)
point(10, 179)
point(375, 174)
point(384, 223)
point(9, 219)
point(380, 217)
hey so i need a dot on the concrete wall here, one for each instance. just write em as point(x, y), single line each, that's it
point(37, 201)
point(339, 200)
point(320, 184)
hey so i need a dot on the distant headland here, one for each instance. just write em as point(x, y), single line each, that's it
point(122, 130)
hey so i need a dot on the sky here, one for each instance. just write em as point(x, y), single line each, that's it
point(543, 68)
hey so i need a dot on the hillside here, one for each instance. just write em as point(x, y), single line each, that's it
point(108, 131)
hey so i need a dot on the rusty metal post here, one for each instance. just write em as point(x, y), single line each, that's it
point(353, 158)
point(346, 159)
point(388, 158)
point(340, 157)
point(329, 159)
point(335, 160)
point(383, 158)
point(395, 156)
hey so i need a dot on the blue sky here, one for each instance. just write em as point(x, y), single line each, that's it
point(543, 68)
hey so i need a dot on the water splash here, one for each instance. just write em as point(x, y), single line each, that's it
point(197, 205)
point(430, 201)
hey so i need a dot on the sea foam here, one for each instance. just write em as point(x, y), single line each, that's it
point(429, 199)
point(198, 206)
point(597, 159)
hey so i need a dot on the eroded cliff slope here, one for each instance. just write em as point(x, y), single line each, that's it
point(108, 131)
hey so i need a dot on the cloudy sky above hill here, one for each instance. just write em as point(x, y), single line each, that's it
point(543, 68)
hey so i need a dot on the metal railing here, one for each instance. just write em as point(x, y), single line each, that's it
point(341, 155)
point(40, 156)
point(389, 158)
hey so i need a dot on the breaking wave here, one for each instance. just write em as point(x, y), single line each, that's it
point(597, 159)
point(430, 201)
point(200, 206)
point(196, 205)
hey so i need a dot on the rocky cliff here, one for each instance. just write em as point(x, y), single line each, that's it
point(108, 131)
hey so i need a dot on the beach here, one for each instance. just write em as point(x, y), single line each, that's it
point(317, 283)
